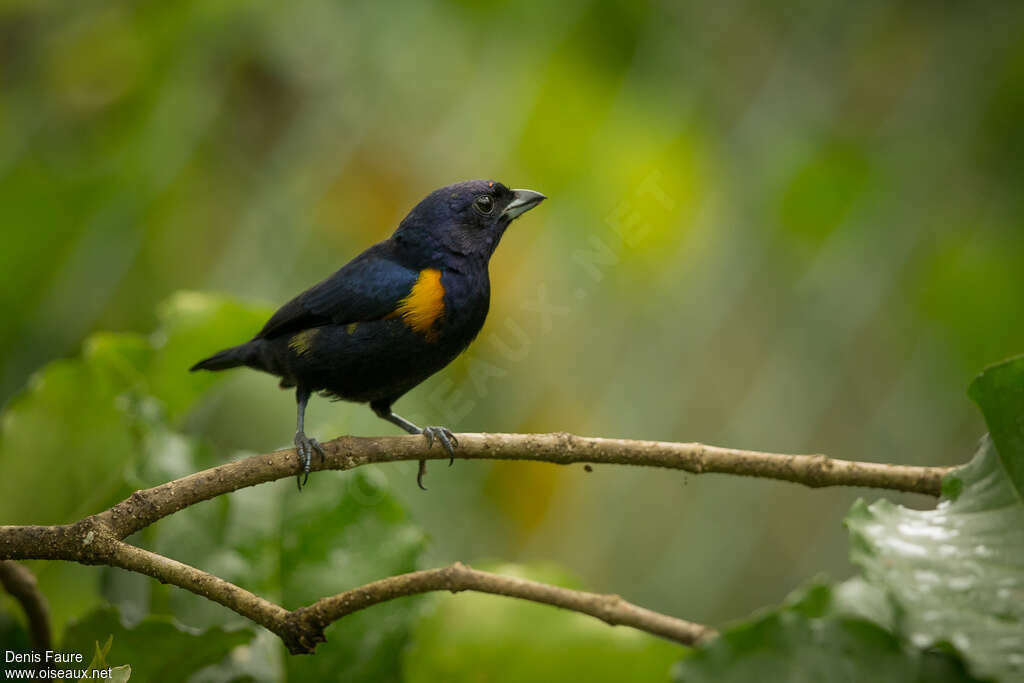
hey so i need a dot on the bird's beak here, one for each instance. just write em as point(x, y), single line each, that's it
point(522, 201)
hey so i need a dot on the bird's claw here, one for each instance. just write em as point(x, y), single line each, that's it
point(445, 436)
point(419, 475)
point(448, 441)
point(305, 446)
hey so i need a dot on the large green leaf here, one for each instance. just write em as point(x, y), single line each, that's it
point(956, 573)
point(158, 649)
point(810, 640)
point(999, 392)
point(952, 578)
point(65, 442)
point(476, 637)
point(64, 447)
point(70, 444)
point(194, 325)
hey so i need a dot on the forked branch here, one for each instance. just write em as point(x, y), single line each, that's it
point(98, 539)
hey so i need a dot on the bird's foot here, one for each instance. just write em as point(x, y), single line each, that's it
point(447, 439)
point(305, 446)
point(445, 436)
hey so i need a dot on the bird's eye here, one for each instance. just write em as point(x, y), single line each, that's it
point(484, 203)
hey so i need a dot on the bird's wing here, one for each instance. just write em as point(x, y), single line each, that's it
point(369, 287)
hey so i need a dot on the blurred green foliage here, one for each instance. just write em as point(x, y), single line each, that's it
point(784, 226)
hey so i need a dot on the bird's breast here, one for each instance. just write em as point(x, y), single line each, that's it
point(466, 300)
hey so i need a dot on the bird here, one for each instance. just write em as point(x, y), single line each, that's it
point(391, 317)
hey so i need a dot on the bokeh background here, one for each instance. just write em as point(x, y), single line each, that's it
point(784, 226)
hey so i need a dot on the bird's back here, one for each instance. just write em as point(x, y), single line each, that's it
point(375, 328)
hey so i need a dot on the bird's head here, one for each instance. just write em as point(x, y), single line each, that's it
point(464, 220)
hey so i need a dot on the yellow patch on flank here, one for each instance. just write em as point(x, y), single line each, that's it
point(302, 342)
point(424, 305)
point(351, 327)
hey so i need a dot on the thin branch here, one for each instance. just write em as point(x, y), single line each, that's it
point(610, 609)
point(23, 587)
point(165, 570)
point(98, 539)
point(348, 452)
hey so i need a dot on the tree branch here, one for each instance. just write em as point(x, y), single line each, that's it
point(348, 452)
point(98, 539)
point(21, 584)
point(91, 542)
point(610, 609)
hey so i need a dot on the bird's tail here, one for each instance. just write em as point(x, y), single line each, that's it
point(228, 358)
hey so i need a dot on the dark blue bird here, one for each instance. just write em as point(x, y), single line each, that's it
point(392, 316)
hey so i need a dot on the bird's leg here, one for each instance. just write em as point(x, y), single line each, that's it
point(304, 445)
point(442, 434)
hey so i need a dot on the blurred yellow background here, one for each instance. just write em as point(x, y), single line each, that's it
point(793, 227)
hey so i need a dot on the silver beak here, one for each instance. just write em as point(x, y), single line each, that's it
point(522, 201)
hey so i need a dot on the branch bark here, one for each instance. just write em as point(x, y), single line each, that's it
point(98, 539)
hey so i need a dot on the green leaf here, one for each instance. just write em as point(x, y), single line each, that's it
point(120, 674)
point(68, 443)
point(956, 573)
point(64, 447)
point(194, 325)
point(858, 598)
point(478, 637)
point(999, 392)
point(83, 413)
point(808, 639)
point(157, 649)
point(99, 659)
